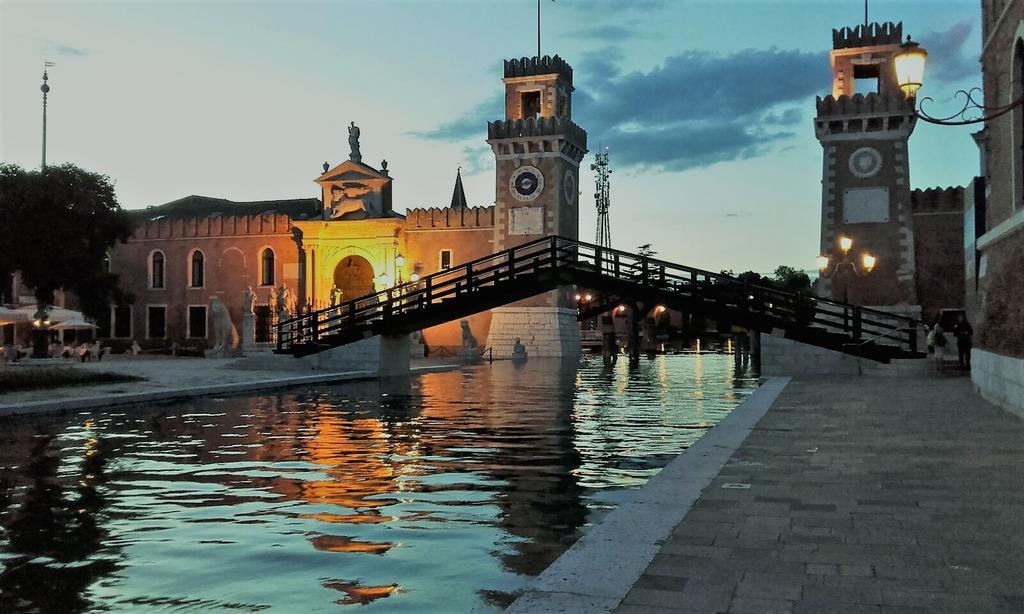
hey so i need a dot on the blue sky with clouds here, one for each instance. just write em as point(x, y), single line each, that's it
point(706, 105)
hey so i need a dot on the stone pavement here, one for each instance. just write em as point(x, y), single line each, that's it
point(856, 496)
point(171, 378)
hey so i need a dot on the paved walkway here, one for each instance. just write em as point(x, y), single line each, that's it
point(870, 496)
point(169, 378)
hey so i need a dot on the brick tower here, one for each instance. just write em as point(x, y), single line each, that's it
point(863, 128)
point(538, 152)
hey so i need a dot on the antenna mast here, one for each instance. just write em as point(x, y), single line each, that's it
point(45, 89)
point(602, 199)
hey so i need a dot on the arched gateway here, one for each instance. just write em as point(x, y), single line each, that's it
point(354, 277)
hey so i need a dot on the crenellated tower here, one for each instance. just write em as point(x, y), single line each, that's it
point(864, 128)
point(538, 150)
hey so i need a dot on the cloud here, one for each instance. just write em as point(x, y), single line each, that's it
point(694, 109)
point(699, 108)
point(611, 32)
point(56, 48)
point(949, 59)
point(477, 159)
point(470, 124)
point(594, 6)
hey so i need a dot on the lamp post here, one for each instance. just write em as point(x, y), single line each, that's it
point(399, 265)
point(846, 267)
point(909, 65)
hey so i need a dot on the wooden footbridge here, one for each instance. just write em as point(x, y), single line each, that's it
point(545, 264)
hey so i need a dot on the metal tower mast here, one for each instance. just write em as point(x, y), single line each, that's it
point(602, 199)
point(45, 89)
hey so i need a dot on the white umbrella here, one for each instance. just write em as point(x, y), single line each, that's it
point(14, 316)
point(76, 323)
point(56, 314)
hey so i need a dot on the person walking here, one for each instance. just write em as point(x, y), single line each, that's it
point(937, 339)
point(964, 340)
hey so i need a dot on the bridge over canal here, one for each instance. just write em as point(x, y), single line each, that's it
point(617, 276)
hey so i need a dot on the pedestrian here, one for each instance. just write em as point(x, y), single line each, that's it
point(937, 339)
point(963, 333)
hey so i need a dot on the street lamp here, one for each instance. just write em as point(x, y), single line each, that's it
point(399, 264)
point(909, 65)
point(846, 266)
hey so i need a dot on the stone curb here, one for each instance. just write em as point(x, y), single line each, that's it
point(131, 398)
point(595, 574)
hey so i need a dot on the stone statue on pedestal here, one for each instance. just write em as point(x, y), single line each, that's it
point(518, 351)
point(353, 143)
point(470, 351)
point(248, 319)
point(225, 335)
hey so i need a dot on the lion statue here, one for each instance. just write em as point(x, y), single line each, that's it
point(225, 335)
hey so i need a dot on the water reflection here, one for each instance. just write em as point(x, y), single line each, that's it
point(451, 492)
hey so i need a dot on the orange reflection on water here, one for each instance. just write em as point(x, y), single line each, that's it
point(342, 543)
point(358, 594)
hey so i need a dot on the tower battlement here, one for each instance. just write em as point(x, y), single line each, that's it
point(861, 104)
point(544, 65)
point(541, 126)
point(870, 35)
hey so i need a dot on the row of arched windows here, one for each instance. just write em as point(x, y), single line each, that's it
point(197, 269)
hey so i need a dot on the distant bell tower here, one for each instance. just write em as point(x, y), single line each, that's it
point(864, 127)
point(538, 150)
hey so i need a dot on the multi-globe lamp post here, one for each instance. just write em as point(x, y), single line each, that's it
point(846, 267)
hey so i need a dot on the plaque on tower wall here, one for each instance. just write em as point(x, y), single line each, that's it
point(526, 221)
point(866, 206)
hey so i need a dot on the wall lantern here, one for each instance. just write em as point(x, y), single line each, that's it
point(909, 65)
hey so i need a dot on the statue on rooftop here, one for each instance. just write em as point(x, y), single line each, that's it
point(353, 143)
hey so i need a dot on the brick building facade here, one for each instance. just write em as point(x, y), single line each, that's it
point(998, 361)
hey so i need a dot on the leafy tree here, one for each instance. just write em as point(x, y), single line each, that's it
point(791, 279)
point(58, 224)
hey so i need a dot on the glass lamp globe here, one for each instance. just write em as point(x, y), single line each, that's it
point(909, 64)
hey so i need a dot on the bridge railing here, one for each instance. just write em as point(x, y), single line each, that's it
point(706, 290)
point(489, 271)
point(716, 290)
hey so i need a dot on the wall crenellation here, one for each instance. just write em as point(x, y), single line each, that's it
point(937, 200)
point(546, 65)
point(542, 126)
point(450, 218)
point(860, 104)
point(217, 226)
point(873, 34)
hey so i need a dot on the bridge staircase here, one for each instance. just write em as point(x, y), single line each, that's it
point(545, 264)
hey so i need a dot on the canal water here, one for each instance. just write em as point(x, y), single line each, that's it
point(444, 496)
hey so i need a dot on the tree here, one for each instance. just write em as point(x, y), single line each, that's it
point(791, 279)
point(58, 224)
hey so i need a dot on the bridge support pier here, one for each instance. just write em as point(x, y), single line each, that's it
point(394, 356)
point(636, 318)
point(549, 332)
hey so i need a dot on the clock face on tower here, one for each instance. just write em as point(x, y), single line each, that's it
point(865, 162)
point(569, 185)
point(526, 183)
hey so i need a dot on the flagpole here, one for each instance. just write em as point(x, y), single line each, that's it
point(538, 29)
point(865, 16)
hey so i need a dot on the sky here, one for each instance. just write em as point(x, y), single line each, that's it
point(706, 106)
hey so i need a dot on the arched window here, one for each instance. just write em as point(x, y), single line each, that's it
point(267, 268)
point(198, 277)
point(156, 270)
